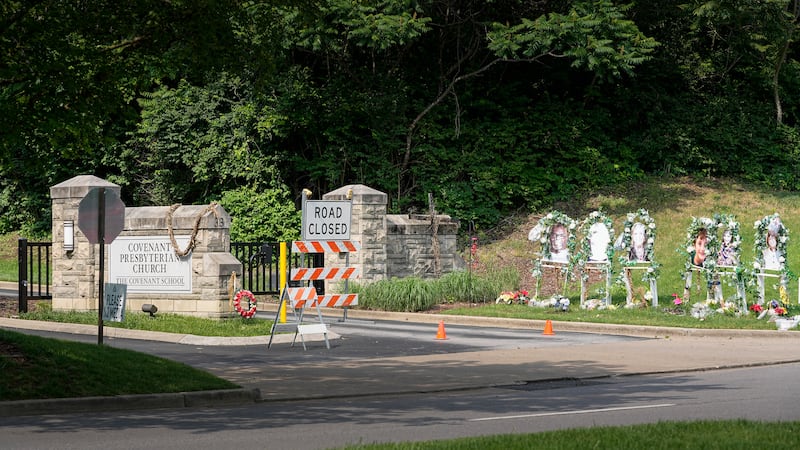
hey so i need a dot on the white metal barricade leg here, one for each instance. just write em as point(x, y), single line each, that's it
point(314, 328)
point(299, 299)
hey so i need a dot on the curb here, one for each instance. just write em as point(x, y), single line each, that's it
point(186, 339)
point(196, 399)
point(539, 324)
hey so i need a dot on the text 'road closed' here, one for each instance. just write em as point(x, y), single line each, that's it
point(326, 219)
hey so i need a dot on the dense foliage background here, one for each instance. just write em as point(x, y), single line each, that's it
point(491, 106)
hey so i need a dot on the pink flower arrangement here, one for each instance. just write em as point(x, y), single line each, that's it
point(677, 301)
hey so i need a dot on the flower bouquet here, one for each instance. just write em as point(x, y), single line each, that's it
point(597, 304)
point(559, 302)
point(509, 297)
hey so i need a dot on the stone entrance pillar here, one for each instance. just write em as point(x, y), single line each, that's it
point(368, 226)
point(144, 256)
point(75, 273)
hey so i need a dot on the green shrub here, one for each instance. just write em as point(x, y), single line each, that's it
point(265, 215)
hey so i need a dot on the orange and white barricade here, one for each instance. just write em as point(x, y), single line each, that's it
point(301, 298)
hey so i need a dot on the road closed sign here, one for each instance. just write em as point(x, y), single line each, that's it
point(327, 220)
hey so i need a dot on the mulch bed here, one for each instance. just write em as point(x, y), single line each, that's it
point(9, 306)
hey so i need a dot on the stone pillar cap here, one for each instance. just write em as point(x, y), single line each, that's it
point(361, 194)
point(79, 186)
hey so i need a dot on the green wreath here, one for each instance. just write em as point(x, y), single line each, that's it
point(582, 256)
point(624, 242)
point(542, 232)
point(699, 224)
point(727, 222)
point(762, 227)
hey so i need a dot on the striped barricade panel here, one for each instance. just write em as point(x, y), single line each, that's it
point(324, 273)
point(337, 300)
point(325, 246)
point(302, 296)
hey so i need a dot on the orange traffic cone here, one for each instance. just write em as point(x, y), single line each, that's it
point(441, 334)
point(548, 328)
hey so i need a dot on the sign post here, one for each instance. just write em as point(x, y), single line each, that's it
point(101, 217)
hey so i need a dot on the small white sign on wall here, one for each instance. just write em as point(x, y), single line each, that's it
point(148, 264)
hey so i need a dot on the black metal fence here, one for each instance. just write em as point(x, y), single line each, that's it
point(259, 262)
point(33, 260)
point(261, 269)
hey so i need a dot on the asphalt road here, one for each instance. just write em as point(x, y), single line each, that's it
point(760, 393)
point(358, 339)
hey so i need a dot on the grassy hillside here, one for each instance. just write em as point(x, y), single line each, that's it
point(672, 202)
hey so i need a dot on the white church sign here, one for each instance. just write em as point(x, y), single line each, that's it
point(148, 264)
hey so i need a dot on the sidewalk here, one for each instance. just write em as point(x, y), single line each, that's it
point(664, 350)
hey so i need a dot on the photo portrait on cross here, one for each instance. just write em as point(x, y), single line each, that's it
point(558, 243)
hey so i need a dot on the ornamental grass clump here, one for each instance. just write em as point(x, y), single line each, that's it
point(415, 294)
point(397, 294)
point(462, 286)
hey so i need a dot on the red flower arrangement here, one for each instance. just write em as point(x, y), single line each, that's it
point(509, 297)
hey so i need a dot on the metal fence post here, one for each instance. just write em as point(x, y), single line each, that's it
point(22, 264)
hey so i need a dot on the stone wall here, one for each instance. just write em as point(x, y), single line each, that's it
point(392, 245)
point(76, 274)
point(412, 242)
point(395, 245)
point(367, 226)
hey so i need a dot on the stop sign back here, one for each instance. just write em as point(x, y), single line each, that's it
point(89, 215)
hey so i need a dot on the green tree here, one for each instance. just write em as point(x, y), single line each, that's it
point(749, 36)
point(69, 74)
point(261, 215)
point(194, 142)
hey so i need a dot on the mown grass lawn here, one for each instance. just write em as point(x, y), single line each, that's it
point(725, 434)
point(34, 367)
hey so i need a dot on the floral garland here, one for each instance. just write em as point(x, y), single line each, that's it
point(251, 303)
point(713, 227)
point(582, 256)
point(542, 233)
point(624, 242)
point(728, 222)
point(761, 229)
point(712, 243)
